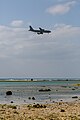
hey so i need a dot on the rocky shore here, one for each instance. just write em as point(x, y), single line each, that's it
point(54, 111)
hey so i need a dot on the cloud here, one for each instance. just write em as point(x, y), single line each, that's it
point(21, 51)
point(17, 23)
point(61, 8)
point(20, 43)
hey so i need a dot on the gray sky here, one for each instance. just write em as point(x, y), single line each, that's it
point(26, 54)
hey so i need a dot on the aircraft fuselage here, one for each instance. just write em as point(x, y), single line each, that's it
point(40, 31)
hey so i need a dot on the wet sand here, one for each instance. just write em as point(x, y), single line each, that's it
point(53, 111)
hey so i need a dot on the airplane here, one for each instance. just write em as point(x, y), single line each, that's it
point(40, 31)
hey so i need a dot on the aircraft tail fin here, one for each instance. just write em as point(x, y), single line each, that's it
point(30, 28)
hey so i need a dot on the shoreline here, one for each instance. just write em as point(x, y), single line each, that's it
point(36, 80)
point(60, 102)
point(53, 111)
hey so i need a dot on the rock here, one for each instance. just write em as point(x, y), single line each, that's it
point(11, 101)
point(24, 100)
point(75, 97)
point(44, 90)
point(39, 106)
point(8, 93)
point(33, 98)
point(62, 110)
point(64, 86)
point(73, 89)
point(29, 98)
point(76, 87)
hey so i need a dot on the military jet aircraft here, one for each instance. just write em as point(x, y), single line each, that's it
point(40, 31)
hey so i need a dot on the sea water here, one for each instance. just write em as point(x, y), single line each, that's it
point(24, 91)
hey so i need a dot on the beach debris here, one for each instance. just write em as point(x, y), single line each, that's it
point(44, 90)
point(75, 97)
point(8, 93)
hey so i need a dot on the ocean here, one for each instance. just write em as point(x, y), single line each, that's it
point(38, 90)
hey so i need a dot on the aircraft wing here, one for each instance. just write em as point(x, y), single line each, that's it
point(41, 29)
point(44, 31)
